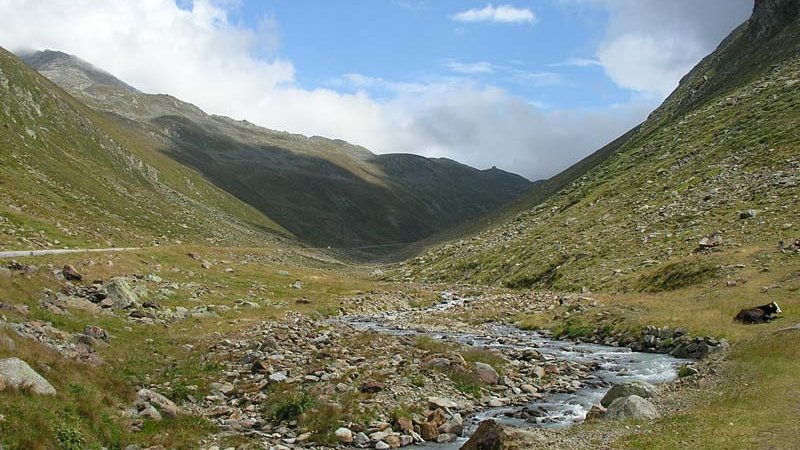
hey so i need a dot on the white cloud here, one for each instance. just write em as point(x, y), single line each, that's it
point(577, 62)
point(497, 14)
point(651, 44)
point(481, 67)
point(511, 73)
point(201, 56)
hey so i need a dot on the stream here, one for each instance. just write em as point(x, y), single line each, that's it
point(614, 365)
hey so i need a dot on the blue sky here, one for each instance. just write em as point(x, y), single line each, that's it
point(530, 86)
point(418, 41)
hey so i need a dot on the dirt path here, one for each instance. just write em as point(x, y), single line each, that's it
point(22, 253)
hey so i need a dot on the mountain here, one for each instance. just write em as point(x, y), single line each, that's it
point(72, 177)
point(720, 158)
point(326, 192)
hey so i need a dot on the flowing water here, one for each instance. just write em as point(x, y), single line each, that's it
point(614, 365)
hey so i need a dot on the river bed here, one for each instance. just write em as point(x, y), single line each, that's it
point(614, 365)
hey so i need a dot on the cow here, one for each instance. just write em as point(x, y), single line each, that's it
point(759, 314)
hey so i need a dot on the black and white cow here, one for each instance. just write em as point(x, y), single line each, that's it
point(759, 314)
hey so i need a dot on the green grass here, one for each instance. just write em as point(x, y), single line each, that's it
point(631, 223)
point(754, 407)
point(677, 275)
point(464, 379)
point(89, 399)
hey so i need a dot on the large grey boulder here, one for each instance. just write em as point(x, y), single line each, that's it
point(16, 373)
point(120, 294)
point(631, 407)
point(640, 388)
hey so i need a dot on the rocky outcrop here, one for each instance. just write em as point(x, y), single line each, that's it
point(16, 373)
point(771, 17)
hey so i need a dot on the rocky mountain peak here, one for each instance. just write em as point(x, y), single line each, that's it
point(69, 71)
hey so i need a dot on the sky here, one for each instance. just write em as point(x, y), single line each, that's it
point(529, 86)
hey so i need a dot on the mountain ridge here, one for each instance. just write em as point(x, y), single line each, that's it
point(725, 141)
point(327, 192)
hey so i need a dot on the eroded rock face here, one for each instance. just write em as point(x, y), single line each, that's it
point(771, 16)
point(16, 373)
point(632, 407)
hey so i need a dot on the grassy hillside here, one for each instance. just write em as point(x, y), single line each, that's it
point(723, 158)
point(71, 177)
point(327, 192)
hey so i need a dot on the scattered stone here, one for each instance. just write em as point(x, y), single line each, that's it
point(429, 431)
point(164, 405)
point(96, 332)
point(361, 439)
point(71, 273)
point(17, 374)
point(372, 386)
point(344, 435)
point(711, 241)
point(404, 424)
point(595, 412)
point(748, 214)
point(486, 373)
point(443, 403)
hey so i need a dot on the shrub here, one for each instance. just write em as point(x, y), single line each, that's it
point(69, 438)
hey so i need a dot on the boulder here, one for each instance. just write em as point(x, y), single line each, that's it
point(640, 388)
point(486, 373)
point(440, 402)
point(453, 425)
point(16, 373)
point(492, 435)
point(120, 294)
point(393, 441)
point(710, 241)
point(631, 407)
point(344, 435)
point(595, 412)
point(361, 439)
point(404, 424)
point(429, 431)
point(71, 273)
point(163, 404)
point(438, 417)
